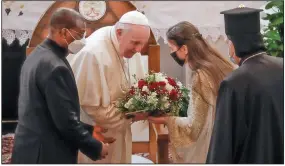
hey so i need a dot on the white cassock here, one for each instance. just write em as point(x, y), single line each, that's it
point(102, 77)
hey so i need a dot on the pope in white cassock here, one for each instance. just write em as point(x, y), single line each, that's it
point(103, 70)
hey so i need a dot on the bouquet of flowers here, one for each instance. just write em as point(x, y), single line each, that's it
point(157, 95)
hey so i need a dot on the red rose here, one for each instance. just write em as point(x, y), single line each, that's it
point(164, 90)
point(159, 91)
point(141, 83)
point(153, 86)
point(143, 93)
point(173, 95)
point(171, 81)
point(161, 83)
point(132, 92)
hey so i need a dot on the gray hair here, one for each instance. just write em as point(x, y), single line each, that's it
point(122, 26)
point(125, 26)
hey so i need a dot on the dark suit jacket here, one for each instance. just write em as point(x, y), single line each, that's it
point(49, 128)
point(249, 124)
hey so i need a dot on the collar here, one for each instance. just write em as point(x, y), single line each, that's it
point(115, 43)
point(51, 44)
point(244, 59)
point(114, 39)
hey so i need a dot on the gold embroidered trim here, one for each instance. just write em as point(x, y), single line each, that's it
point(201, 98)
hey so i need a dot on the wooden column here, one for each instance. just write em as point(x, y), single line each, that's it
point(153, 66)
point(162, 143)
point(154, 58)
point(158, 133)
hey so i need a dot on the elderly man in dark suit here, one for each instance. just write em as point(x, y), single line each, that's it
point(49, 128)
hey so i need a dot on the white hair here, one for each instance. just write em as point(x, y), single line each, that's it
point(122, 26)
point(125, 26)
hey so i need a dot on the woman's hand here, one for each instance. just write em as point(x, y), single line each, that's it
point(140, 116)
point(137, 116)
point(158, 120)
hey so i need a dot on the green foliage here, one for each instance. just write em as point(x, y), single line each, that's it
point(273, 33)
point(185, 102)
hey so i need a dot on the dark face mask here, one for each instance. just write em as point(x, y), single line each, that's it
point(175, 57)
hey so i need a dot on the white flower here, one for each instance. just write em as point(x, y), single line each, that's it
point(164, 99)
point(179, 84)
point(136, 85)
point(145, 89)
point(158, 74)
point(166, 105)
point(153, 94)
point(153, 100)
point(160, 77)
point(129, 103)
point(169, 87)
point(164, 80)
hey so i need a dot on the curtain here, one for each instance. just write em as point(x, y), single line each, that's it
point(13, 56)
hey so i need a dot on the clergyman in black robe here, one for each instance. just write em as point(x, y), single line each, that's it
point(249, 121)
point(49, 130)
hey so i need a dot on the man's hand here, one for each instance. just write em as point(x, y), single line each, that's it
point(97, 134)
point(105, 148)
point(99, 129)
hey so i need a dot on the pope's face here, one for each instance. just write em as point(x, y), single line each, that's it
point(132, 40)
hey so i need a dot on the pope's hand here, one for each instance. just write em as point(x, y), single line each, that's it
point(105, 148)
point(157, 120)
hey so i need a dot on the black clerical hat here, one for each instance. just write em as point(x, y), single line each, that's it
point(242, 20)
point(242, 26)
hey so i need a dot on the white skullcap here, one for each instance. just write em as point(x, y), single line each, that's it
point(134, 17)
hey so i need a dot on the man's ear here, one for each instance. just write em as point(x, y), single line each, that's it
point(119, 33)
point(63, 33)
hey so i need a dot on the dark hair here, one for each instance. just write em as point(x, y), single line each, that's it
point(247, 44)
point(66, 18)
point(201, 55)
point(178, 31)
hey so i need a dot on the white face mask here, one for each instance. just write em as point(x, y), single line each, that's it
point(75, 46)
point(231, 57)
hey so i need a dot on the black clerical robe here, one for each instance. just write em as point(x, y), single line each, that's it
point(249, 122)
point(49, 128)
